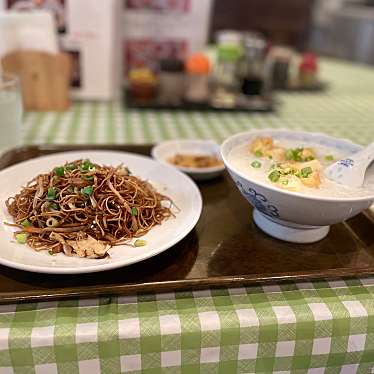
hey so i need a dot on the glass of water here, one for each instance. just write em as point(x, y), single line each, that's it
point(10, 112)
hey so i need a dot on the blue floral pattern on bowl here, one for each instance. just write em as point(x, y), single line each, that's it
point(259, 201)
point(348, 163)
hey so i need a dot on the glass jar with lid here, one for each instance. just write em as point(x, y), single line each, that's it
point(226, 83)
point(143, 84)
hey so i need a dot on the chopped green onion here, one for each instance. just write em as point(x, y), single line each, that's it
point(53, 206)
point(305, 172)
point(329, 158)
point(297, 154)
point(274, 176)
point(289, 154)
point(21, 238)
point(87, 190)
point(285, 171)
point(256, 164)
point(60, 171)
point(50, 252)
point(309, 158)
point(87, 177)
point(270, 157)
point(285, 182)
point(258, 153)
point(294, 154)
point(51, 194)
point(26, 223)
point(86, 165)
point(134, 211)
point(71, 166)
point(139, 243)
point(52, 222)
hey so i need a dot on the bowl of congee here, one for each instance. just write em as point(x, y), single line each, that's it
point(281, 174)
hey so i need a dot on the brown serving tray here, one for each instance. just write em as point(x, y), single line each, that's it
point(225, 249)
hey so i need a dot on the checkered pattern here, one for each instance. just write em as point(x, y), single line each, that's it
point(289, 328)
point(345, 110)
point(308, 327)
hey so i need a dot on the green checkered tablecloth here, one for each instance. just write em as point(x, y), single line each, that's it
point(309, 327)
point(345, 110)
point(295, 328)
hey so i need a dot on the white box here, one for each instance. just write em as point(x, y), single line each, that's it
point(93, 37)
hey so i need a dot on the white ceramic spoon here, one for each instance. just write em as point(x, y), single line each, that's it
point(351, 171)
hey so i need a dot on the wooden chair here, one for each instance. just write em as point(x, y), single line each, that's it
point(44, 77)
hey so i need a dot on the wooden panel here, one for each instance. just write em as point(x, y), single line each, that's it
point(45, 79)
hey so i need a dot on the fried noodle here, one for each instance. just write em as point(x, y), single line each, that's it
point(82, 201)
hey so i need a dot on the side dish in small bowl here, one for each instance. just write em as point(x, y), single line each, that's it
point(281, 173)
point(200, 159)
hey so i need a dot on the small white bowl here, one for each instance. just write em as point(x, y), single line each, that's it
point(294, 216)
point(164, 150)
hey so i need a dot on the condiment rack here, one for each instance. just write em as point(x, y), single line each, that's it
point(240, 73)
point(234, 77)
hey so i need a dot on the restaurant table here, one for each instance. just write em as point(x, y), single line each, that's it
point(309, 327)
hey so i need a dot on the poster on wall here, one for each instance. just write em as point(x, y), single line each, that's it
point(93, 41)
point(156, 29)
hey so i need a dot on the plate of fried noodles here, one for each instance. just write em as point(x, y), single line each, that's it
point(81, 212)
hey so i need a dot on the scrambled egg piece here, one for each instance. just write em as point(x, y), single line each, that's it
point(313, 181)
point(265, 147)
point(261, 145)
point(277, 154)
point(290, 182)
point(89, 247)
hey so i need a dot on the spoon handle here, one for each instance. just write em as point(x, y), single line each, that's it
point(366, 156)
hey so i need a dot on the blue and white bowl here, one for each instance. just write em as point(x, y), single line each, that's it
point(293, 216)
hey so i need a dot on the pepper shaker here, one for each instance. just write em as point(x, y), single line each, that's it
point(171, 82)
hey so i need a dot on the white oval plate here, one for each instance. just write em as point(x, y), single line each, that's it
point(166, 179)
point(164, 150)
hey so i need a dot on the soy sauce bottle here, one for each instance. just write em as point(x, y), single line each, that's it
point(253, 65)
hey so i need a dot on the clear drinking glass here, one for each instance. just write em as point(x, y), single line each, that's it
point(10, 111)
